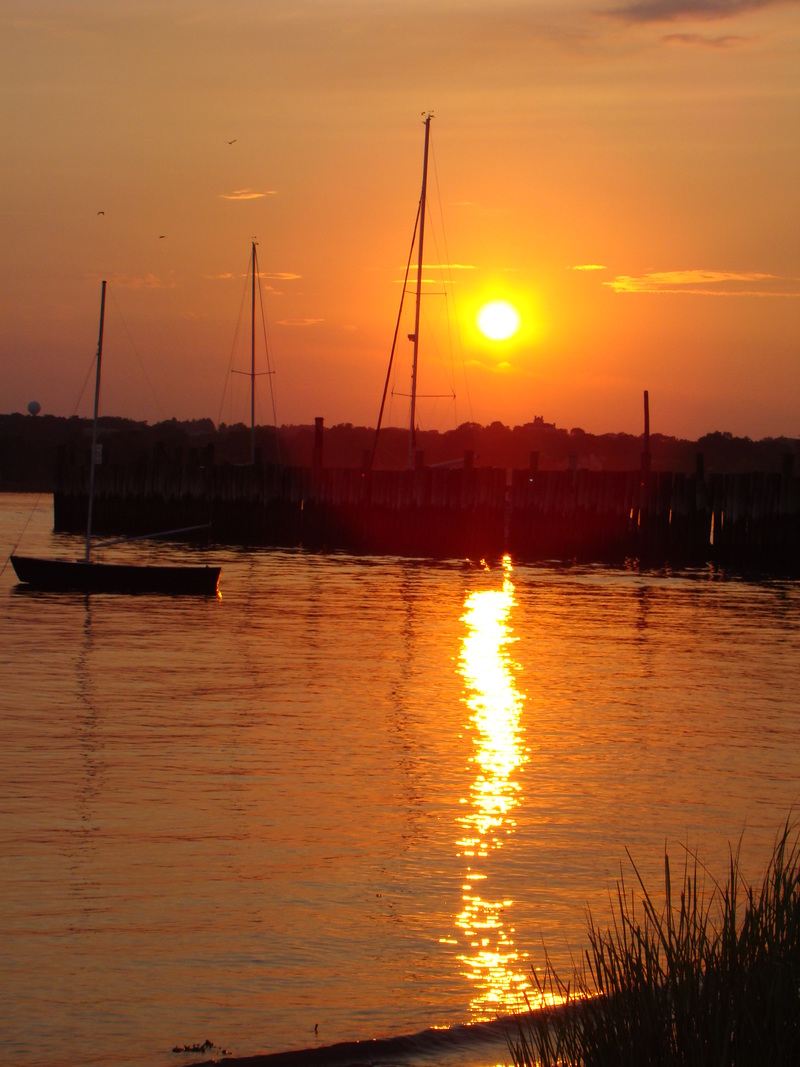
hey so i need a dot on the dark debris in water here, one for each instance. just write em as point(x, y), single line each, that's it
point(206, 1046)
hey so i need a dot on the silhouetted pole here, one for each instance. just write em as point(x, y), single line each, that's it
point(253, 361)
point(316, 461)
point(412, 436)
point(93, 460)
point(646, 453)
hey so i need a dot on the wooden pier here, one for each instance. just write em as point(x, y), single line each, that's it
point(657, 517)
point(747, 520)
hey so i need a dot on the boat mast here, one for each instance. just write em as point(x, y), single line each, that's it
point(253, 359)
point(93, 462)
point(412, 436)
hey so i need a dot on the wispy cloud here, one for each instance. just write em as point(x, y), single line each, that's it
point(432, 267)
point(445, 266)
point(699, 41)
point(707, 10)
point(138, 281)
point(298, 322)
point(247, 194)
point(589, 266)
point(280, 276)
point(425, 281)
point(707, 283)
point(493, 367)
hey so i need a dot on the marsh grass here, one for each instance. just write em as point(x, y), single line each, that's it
point(703, 979)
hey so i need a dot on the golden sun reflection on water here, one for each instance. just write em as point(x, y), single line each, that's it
point(494, 965)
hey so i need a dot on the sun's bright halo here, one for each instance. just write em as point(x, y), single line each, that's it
point(498, 320)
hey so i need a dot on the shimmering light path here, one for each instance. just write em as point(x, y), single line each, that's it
point(494, 964)
point(358, 798)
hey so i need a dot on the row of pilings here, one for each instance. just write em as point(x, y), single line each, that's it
point(745, 520)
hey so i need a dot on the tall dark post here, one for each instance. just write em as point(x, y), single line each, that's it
point(93, 460)
point(646, 452)
point(316, 461)
point(253, 361)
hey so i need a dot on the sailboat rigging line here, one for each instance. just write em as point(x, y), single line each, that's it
point(22, 534)
point(152, 536)
point(89, 576)
point(230, 371)
point(112, 296)
point(89, 370)
point(93, 462)
point(429, 396)
point(412, 436)
point(253, 361)
point(251, 286)
point(394, 341)
point(414, 337)
point(448, 261)
point(269, 371)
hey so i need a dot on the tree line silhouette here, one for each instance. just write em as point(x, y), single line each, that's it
point(30, 447)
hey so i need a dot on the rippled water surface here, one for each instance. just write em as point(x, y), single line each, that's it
point(354, 797)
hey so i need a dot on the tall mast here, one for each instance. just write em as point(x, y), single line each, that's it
point(93, 462)
point(253, 360)
point(412, 436)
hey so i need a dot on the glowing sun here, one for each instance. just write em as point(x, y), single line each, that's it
point(498, 320)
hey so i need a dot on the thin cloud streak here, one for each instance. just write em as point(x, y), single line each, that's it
point(697, 40)
point(247, 194)
point(445, 266)
point(142, 281)
point(705, 283)
point(425, 281)
point(298, 322)
point(282, 276)
point(705, 10)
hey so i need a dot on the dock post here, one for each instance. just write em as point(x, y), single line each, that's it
point(646, 452)
point(316, 460)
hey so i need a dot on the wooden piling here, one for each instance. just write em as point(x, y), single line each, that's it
point(657, 518)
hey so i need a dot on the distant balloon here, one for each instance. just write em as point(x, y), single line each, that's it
point(34, 407)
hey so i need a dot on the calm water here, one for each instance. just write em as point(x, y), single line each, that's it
point(355, 797)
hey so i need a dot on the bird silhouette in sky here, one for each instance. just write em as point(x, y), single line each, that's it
point(101, 212)
point(233, 141)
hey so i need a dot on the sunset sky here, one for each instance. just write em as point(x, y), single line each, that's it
point(626, 173)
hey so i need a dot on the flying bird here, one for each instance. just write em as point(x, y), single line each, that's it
point(161, 236)
point(101, 212)
point(233, 141)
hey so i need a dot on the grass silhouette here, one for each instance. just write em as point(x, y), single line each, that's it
point(701, 979)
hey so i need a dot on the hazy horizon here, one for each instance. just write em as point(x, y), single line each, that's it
point(309, 424)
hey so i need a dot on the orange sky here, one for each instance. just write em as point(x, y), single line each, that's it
point(625, 172)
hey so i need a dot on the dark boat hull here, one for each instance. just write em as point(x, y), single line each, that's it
point(55, 575)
